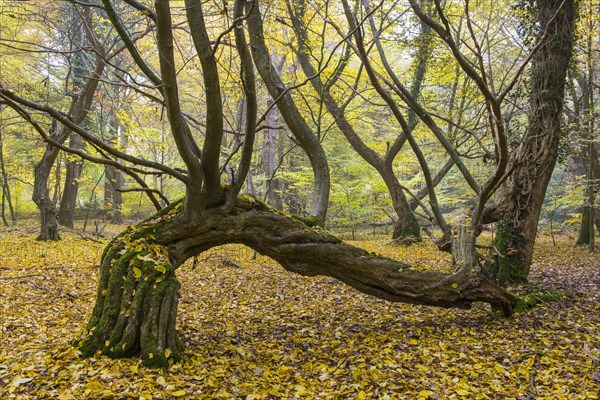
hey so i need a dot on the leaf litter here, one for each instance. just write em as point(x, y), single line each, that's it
point(254, 331)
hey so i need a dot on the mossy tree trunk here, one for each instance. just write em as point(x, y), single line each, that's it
point(136, 304)
point(137, 297)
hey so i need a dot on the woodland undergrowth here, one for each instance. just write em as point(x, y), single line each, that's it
point(254, 331)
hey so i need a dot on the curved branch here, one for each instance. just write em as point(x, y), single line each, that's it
point(309, 252)
point(297, 124)
point(141, 7)
point(179, 128)
point(83, 155)
point(66, 121)
point(122, 31)
point(399, 117)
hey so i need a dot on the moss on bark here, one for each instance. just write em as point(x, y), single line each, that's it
point(407, 230)
point(528, 302)
point(506, 265)
point(136, 303)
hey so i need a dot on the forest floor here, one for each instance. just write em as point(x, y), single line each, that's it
point(254, 331)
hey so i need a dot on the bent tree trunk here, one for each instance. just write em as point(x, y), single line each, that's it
point(137, 295)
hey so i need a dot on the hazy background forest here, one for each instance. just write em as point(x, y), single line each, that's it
point(45, 57)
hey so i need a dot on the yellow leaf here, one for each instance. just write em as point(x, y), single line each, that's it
point(455, 285)
point(19, 380)
point(147, 257)
point(137, 272)
point(160, 268)
point(178, 393)
point(168, 353)
point(424, 394)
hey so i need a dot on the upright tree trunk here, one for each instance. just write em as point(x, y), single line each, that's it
point(406, 227)
point(41, 193)
point(68, 201)
point(589, 215)
point(113, 198)
point(117, 211)
point(273, 184)
point(78, 111)
point(109, 173)
point(6, 197)
point(307, 140)
point(535, 160)
point(74, 166)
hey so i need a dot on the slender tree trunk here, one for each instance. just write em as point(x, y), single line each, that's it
point(117, 203)
point(41, 193)
point(68, 201)
point(589, 215)
point(406, 227)
point(273, 184)
point(109, 176)
point(537, 155)
point(78, 110)
point(113, 198)
point(6, 197)
point(307, 140)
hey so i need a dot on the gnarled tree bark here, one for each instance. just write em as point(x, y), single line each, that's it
point(137, 293)
point(525, 190)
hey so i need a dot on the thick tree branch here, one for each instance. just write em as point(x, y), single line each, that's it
point(67, 121)
point(179, 128)
point(211, 149)
point(247, 70)
point(309, 252)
